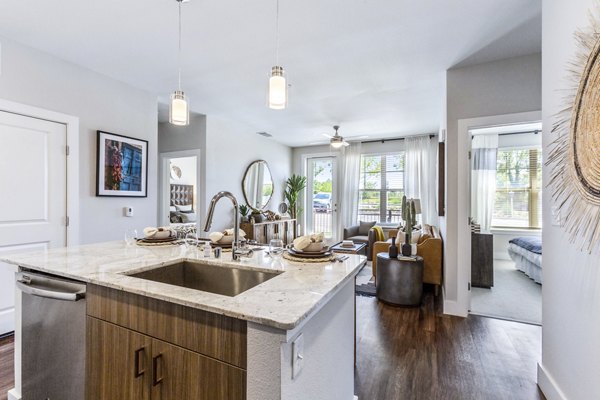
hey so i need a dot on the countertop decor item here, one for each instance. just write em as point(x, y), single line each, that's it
point(573, 157)
point(121, 166)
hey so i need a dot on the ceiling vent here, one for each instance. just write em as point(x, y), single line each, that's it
point(265, 134)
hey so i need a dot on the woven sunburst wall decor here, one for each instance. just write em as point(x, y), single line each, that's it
point(574, 157)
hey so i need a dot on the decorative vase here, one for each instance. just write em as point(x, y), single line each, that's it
point(393, 251)
point(406, 247)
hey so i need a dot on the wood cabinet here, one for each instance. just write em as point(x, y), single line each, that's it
point(129, 357)
point(482, 260)
point(263, 232)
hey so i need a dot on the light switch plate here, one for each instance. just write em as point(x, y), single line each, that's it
point(297, 355)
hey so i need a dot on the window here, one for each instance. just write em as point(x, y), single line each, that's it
point(518, 189)
point(381, 187)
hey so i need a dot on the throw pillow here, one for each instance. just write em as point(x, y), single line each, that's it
point(187, 207)
point(365, 227)
point(416, 235)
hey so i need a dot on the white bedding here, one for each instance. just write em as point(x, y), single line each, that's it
point(528, 262)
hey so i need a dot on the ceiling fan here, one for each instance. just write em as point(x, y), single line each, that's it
point(336, 141)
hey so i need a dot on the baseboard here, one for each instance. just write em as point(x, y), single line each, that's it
point(451, 307)
point(501, 255)
point(548, 385)
point(14, 395)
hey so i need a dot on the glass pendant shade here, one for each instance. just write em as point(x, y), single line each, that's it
point(337, 145)
point(179, 110)
point(277, 89)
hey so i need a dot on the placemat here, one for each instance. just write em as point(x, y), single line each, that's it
point(291, 257)
point(139, 242)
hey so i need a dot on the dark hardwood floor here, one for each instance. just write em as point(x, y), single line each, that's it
point(7, 350)
point(419, 353)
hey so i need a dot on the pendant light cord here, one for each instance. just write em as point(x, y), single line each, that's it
point(179, 50)
point(277, 34)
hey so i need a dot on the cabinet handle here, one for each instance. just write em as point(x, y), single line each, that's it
point(155, 379)
point(137, 372)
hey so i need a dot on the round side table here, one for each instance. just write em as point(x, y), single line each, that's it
point(399, 280)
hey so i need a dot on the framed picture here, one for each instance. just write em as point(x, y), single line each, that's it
point(121, 166)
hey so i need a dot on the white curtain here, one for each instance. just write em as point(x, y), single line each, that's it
point(420, 175)
point(484, 150)
point(348, 191)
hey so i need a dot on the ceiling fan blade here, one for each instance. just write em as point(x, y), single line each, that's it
point(345, 143)
point(357, 137)
point(326, 135)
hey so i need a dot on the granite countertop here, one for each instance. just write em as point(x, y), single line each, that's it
point(282, 302)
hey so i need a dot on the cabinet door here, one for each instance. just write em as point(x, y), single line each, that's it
point(179, 374)
point(118, 362)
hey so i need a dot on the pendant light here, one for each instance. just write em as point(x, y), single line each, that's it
point(277, 83)
point(179, 109)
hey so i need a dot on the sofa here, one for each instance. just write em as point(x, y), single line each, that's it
point(362, 233)
point(429, 247)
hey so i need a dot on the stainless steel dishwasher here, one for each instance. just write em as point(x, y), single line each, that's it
point(53, 337)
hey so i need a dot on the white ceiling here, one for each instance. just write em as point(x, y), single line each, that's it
point(376, 67)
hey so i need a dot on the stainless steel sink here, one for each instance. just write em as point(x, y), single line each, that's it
point(207, 278)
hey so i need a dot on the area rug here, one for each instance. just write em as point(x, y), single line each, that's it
point(366, 289)
point(514, 296)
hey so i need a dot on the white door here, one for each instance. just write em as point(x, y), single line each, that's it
point(33, 195)
point(321, 199)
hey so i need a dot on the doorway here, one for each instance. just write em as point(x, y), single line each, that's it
point(321, 199)
point(506, 222)
point(179, 200)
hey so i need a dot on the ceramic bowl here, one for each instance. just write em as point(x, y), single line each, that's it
point(227, 239)
point(164, 234)
point(315, 246)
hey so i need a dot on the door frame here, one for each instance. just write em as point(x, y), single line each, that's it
point(463, 228)
point(163, 179)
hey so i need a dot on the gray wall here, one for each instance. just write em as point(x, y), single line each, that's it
point(496, 88)
point(230, 148)
point(571, 300)
point(38, 79)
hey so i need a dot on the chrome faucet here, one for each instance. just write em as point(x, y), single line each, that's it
point(236, 249)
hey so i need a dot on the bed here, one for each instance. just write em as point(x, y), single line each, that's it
point(526, 252)
point(181, 210)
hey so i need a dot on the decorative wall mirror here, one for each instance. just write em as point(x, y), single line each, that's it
point(258, 185)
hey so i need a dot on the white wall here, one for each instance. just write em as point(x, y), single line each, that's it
point(230, 148)
point(188, 168)
point(571, 290)
point(38, 79)
point(496, 88)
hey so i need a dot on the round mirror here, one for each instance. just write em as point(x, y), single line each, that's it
point(258, 185)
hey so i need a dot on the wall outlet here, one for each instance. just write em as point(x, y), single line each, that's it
point(128, 211)
point(297, 356)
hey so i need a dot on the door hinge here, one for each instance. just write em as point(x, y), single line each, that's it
point(469, 154)
point(67, 150)
point(67, 221)
point(469, 286)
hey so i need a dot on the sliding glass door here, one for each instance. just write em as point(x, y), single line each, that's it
point(321, 199)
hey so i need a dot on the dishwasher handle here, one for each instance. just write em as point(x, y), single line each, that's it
point(49, 288)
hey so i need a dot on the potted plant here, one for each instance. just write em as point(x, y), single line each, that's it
point(294, 186)
point(409, 215)
point(244, 210)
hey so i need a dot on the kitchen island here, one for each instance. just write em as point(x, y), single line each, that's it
point(289, 337)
